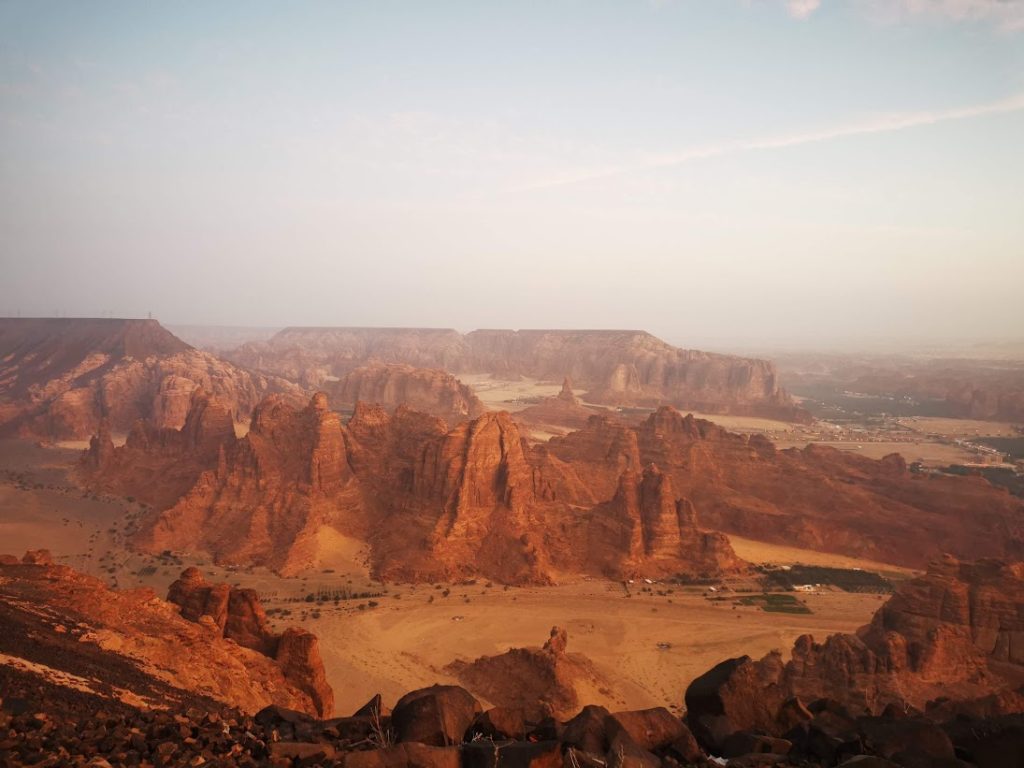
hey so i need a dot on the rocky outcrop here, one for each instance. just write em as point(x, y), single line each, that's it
point(954, 632)
point(428, 390)
point(61, 378)
point(538, 683)
point(477, 500)
point(66, 631)
point(562, 412)
point(160, 464)
point(271, 495)
point(238, 616)
point(616, 367)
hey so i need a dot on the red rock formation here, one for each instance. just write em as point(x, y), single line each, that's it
point(161, 465)
point(238, 615)
point(617, 367)
point(818, 498)
point(538, 682)
point(270, 494)
point(60, 378)
point(61, 622)
point(954, 632)
point(611, 499)
point(562, 412)
point(428, 390)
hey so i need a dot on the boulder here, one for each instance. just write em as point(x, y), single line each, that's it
point(37, 557)
point(653, 729)
point(439, 715)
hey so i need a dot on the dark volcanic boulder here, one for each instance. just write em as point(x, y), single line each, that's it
point(588, 731)
point(438, 715)
point(516, 754)
point(735, 695)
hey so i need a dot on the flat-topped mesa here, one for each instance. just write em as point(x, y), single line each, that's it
point(238, 616)
point(615, 367)
point(430, 390)
point(951, 633)
point(59, 378)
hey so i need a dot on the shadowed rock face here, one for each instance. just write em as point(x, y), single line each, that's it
point(238, 615)
point(617, 367)
point(135, 650)
point(428, 390)
point(60, 378)
point(954, 632)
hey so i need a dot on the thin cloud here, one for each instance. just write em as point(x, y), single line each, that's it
point(801, 9)
point(1006, 14)
point(883, 124)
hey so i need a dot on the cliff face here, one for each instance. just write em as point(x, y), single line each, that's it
point(61, 622)
point(616, 367)
point(269, 494)
point(953, 632)
point(431, 503)
point(429, 390)
point(59, 378)
point(238, 616)
point(477, 500)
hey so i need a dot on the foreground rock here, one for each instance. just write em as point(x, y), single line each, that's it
point(238, 615)
point(951, 635)
point(536, 683)
point(67, 633)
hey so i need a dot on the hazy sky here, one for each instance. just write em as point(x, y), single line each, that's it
point(705, 169)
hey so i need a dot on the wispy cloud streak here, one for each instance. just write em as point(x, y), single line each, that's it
point(882, 124)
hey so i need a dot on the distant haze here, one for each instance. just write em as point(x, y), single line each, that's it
point(792, 171)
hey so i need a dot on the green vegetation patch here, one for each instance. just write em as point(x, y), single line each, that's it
point(846, 579)
point(773, 602)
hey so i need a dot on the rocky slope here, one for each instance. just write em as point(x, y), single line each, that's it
point(950, 635)
point(429, 390)
point(610, 499)
point(68, 631)
point(60, 378)
point(236, 614)
point(616, 367)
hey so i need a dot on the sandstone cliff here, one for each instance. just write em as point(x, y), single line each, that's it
point(616, 367)
point(60, 378)
point(429, 390)
point(272, 496)
point(609, 499)
point(431, 503)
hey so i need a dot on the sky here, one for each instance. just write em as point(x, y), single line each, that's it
point(810, 170)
